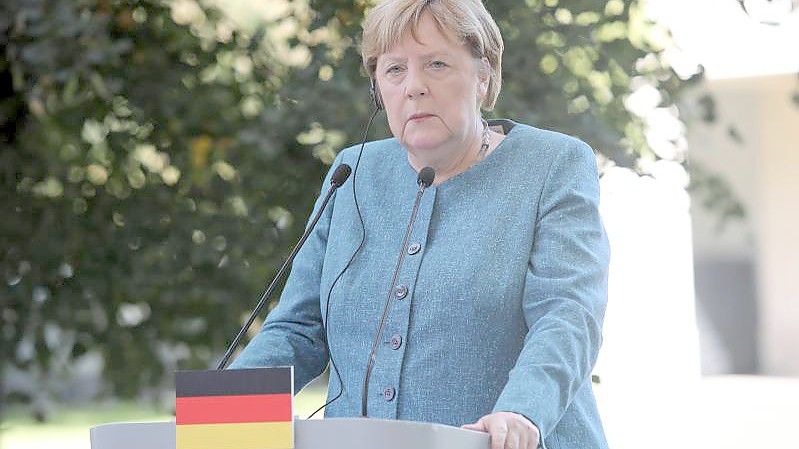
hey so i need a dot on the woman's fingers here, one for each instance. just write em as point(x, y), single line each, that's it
point(523, 439)
point(498, 429)
point(478, 426)
point(507, 431)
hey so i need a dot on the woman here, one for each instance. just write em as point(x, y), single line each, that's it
point(494, 322)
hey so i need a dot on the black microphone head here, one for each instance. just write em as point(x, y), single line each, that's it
point(340, 175)
point(426, 177)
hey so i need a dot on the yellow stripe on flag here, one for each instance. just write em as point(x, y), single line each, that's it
point(267, 435)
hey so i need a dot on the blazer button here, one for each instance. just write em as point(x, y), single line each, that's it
point(401, 291)
point(389, 393)
point(414, 248)
point(396, 341)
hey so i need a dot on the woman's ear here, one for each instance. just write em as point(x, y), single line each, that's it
point(483, 77)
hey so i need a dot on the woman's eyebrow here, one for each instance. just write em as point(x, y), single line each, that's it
point(396, 58)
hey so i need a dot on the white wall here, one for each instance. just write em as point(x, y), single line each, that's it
point(763, 172)
point(649, 362)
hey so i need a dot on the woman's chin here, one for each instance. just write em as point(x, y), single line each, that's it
point(424, 144)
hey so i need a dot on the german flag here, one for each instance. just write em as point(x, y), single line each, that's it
point(235, 409)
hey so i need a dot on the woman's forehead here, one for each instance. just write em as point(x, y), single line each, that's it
point(427, 35)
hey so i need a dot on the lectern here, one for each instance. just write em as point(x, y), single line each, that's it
point(331, 433)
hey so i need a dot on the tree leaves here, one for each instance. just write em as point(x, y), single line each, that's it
point(168, 156)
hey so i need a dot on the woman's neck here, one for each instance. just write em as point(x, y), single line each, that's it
point(446, 169)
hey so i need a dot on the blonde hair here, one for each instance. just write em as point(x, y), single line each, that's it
point(387, 22)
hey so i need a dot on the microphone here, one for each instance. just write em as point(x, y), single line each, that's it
point(425, 179)
point(340, 175)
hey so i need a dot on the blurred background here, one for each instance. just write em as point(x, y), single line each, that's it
point(159, 158)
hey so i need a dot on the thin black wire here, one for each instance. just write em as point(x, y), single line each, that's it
point(330, 291)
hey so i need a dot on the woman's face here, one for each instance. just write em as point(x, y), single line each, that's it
point(431, 89)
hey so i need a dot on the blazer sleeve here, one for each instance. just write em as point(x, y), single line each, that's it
point(565, 293)
point(293, 333)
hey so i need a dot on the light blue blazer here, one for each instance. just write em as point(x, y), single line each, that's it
point(499, 301)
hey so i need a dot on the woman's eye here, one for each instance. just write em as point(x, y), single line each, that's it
point(438, 64)
point(393, 70)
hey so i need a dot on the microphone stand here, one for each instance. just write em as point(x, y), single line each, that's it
point(339, 176)
point(425, 179)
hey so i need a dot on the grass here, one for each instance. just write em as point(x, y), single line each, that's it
point(68, 427)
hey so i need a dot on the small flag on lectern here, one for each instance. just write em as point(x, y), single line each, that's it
point(236, 409)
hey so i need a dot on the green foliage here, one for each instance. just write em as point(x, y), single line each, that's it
point(149, 184)
point(570, 64)
point(158, 159)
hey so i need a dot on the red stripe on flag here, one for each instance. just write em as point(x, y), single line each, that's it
point(233, 409)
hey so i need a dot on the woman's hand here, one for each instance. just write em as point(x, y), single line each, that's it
point(508, 430)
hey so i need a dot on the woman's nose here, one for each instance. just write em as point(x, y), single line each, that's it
point(416, 84)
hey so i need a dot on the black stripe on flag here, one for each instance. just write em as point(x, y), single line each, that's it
point(233, 382)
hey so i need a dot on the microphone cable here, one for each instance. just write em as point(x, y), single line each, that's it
point(326, 326)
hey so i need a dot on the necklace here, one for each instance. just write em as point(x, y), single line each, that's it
point(486, 138)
